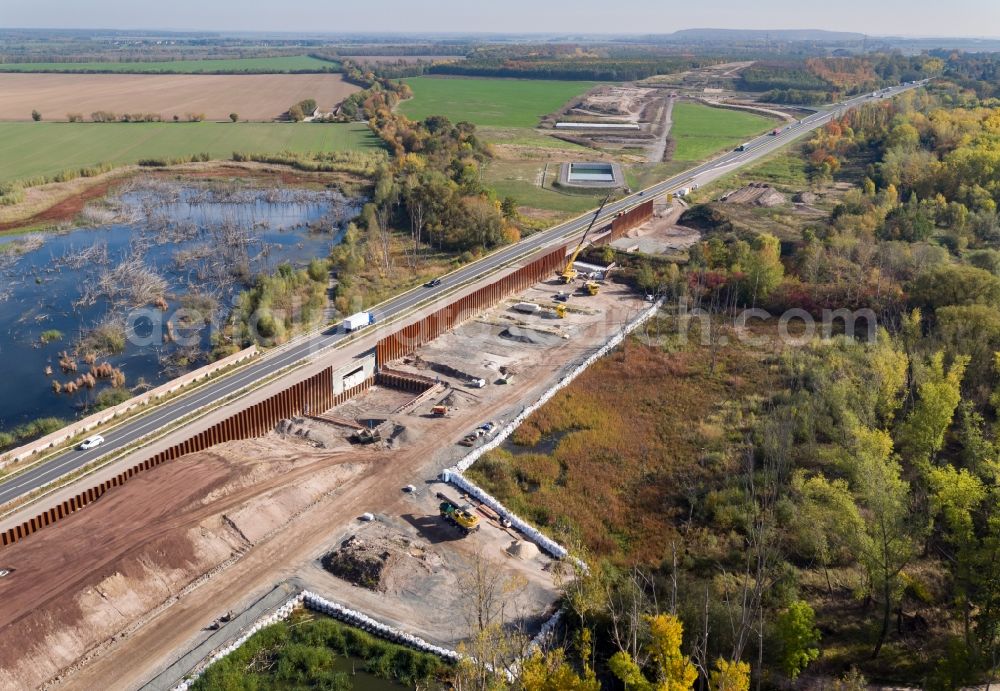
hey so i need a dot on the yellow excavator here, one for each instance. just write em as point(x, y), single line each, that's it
point(459, 516)
point(569, 274)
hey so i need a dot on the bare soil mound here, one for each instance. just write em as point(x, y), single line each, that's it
point(756, 193)
point(380, 560)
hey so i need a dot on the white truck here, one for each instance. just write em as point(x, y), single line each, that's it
point(358, 321)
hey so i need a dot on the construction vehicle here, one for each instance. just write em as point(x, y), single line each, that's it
point(366, 435)
point(591, 288)
point(439, 410)
point(560, 311)
point(358, 321)
point(460, 517)
point(569, 273)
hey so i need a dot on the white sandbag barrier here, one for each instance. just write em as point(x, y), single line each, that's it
point(376, 628)
point(337, 611)
point(544, 635)
point(274, 617)
point(545, 543)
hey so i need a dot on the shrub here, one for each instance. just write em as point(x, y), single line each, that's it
point(36, 116)
point(108, 398)
point(11, 193)
point(31, 430)
point(318, 270)
point(51, 335)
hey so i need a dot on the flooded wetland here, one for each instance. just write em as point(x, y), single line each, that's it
point(139, 292)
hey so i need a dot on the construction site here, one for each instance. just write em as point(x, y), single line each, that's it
point(334, 481)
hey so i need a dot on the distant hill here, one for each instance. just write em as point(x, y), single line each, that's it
point(763, 34)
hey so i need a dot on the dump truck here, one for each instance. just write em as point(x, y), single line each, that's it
point(358, 321)
point(439, 410)
point(460, 517)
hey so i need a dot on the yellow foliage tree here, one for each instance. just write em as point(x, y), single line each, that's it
point(550, 672)
point(729, 676)
point(674, 671)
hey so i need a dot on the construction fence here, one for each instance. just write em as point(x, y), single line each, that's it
point(635, 216)
point(409, 338)
point(314, 394)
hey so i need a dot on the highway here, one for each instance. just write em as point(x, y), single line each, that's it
point(166, 413)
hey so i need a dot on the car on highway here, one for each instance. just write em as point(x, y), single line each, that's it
point(433, 283)
point(91, 442)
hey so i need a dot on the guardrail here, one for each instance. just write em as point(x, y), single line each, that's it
point(64, 434)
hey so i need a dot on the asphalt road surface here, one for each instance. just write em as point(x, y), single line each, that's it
point(167, 413)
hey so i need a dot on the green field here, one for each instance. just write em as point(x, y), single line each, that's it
point(526, 137)
point(489, 102)
point(293, 63)
point(701, 131)
point(519, 180)
point(29, 149)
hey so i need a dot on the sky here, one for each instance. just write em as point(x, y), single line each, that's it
point(875, 17)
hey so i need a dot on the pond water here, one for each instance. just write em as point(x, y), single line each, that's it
point(365, 681)
point(155, 248)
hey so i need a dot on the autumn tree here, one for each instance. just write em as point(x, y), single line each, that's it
point(729, 676)
point(550, 671)
point(921, 435)
point(489, 603)
point(673, 670)
point(887, 545)
point(799, 637)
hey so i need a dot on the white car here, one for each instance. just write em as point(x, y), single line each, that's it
point(92, 442)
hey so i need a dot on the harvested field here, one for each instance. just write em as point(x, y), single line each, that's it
point(252, 96)
point(278, 64)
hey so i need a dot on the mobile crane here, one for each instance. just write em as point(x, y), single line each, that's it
point(569, 274)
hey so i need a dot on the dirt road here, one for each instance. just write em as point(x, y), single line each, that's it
point(659, 148)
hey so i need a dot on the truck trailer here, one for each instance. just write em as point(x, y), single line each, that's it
point(358, 321)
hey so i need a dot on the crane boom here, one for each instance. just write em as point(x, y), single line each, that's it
point(569, 273)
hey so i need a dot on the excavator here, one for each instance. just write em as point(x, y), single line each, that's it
point(569, 273)
point(459, 516)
